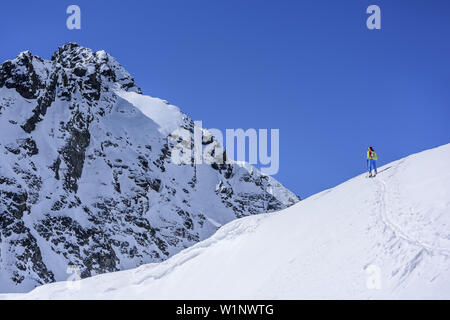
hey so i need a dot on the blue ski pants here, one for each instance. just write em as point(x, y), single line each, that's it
point(372, 165)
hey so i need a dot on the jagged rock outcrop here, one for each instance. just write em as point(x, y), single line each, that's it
point(86, 177)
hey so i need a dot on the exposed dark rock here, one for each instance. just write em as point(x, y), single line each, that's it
point(44, 102)
point(21, 76)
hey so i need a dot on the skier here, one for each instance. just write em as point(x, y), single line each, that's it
point(371, 161)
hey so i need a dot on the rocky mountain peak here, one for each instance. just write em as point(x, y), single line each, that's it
point(72, 53)
point(86, 177)
point(84, 62)
point(29, 74)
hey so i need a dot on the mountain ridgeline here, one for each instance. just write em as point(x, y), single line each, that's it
point(87, 184)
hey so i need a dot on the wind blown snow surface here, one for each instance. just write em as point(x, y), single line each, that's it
point(387, 238)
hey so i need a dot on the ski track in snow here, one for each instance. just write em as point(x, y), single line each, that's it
point(228, 233)
point(398, 231)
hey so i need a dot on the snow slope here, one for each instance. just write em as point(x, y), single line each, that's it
point(387, 237)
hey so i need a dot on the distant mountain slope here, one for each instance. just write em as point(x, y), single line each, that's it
point(86, 177)
point(387, 237)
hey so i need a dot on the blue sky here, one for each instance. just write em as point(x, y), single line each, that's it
point(309, 68)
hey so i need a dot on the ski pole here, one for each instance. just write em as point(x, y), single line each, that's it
point(367, 164)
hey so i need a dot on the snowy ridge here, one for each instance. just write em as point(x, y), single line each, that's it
point(394, 227)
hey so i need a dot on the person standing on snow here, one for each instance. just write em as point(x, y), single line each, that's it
point(372, 161)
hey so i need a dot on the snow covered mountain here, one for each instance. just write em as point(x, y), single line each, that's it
point(386, 237)
point(86, 177)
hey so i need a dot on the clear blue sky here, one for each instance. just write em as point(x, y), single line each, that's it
point(310, 68)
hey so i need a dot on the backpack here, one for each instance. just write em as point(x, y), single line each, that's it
point(372, 155)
